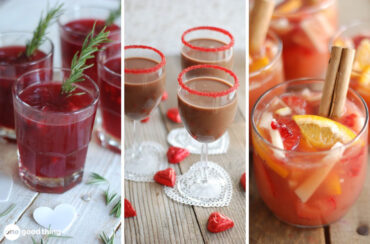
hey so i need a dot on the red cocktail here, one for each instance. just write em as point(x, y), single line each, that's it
point(309, 169)
point(357, 36)
point(109, 72)
point(305, 28)
point(53, 130)
point(13, 63)
point(75, 25)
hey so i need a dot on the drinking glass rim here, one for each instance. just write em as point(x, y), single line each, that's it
point(47, 56)
point(292, 152)
point(205, 49)
point(93, 103)
point(100, 53)
point(312, 9)
point(208, 94)
point(149, 70)
point(275, 59)
point(345, 28)
point(99, 8)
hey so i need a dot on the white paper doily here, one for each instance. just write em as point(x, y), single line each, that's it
point(221, 201)
point(151, 163)
point(181, 138)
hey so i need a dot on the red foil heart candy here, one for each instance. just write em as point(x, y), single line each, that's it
point(166, 177)
point(218, 222)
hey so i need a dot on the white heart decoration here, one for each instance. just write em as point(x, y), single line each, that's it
point(6, 185)
point(61, 218)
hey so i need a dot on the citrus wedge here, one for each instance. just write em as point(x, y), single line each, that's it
point(362, 58)
point(321, 132)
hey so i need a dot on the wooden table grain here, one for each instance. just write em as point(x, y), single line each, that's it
point(162, 220)
point(265, 228)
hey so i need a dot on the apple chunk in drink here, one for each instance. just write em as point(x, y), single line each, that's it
point(309, 169)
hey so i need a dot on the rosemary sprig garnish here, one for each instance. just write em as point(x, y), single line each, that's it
point(109, 197)
point(113, 15)
point(46, 238)
point(96, 179)
point(8, 210)
point(78, 65)
point(39, 34)
point(116, 210)
point(105, 239)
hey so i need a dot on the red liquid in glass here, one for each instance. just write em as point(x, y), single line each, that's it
point(13, 63)
point(48, 149)
point(110, 98)
point(73, 38)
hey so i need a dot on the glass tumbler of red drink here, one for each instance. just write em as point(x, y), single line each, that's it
point(265, 71)
point(53, 129)
point(14, 63)
point(207, 45)
point(308, 182)
point(109, 73)
point(145, 78)
point(207, 102)
point(305, 28)
point(75, 25)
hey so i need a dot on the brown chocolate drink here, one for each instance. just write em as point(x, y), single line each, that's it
point(143, 91)
point(190, 57)
point(205, 117)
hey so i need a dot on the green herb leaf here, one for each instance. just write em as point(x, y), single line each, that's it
point(46, 238)
point(40, 32)
point(78, 65)
point(96, 179)
point(109, 197)
point(113, 15)
point(116, 210)
point(8, 210)
point(105, 239)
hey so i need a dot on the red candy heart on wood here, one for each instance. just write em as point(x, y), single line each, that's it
point(218, 222)
point(164, 96)
point(173, 115)
point(166, 177)
point(242, 180)
point(145, 120)
point(129, 210)
point(176, 154)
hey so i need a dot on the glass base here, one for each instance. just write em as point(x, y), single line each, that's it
point(193, 185)
point(143, 164)
point(8, 134)
point(49, 185)
point(106, 140)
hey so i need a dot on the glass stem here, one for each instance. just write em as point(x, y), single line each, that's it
point(204, 159)
point(135, 147)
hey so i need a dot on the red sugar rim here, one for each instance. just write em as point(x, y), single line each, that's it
point(205, 49)
point(150, 70)
point(208, 94)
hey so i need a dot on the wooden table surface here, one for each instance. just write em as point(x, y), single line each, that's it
point(162, 220)
point(265, 228)
point(93, 216)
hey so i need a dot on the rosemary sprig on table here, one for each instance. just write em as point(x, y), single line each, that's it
point(39, 34)
point(8, 210)
point(113, 15)
point(105, 239)
point(109, 197)
point(46, 238)
point(116, 210)
point(96, 179)
point(78, 65)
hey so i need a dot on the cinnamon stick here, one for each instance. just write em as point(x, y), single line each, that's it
point(336, 82)
point(341, 86)
point(331, 74)
point(259, 23)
